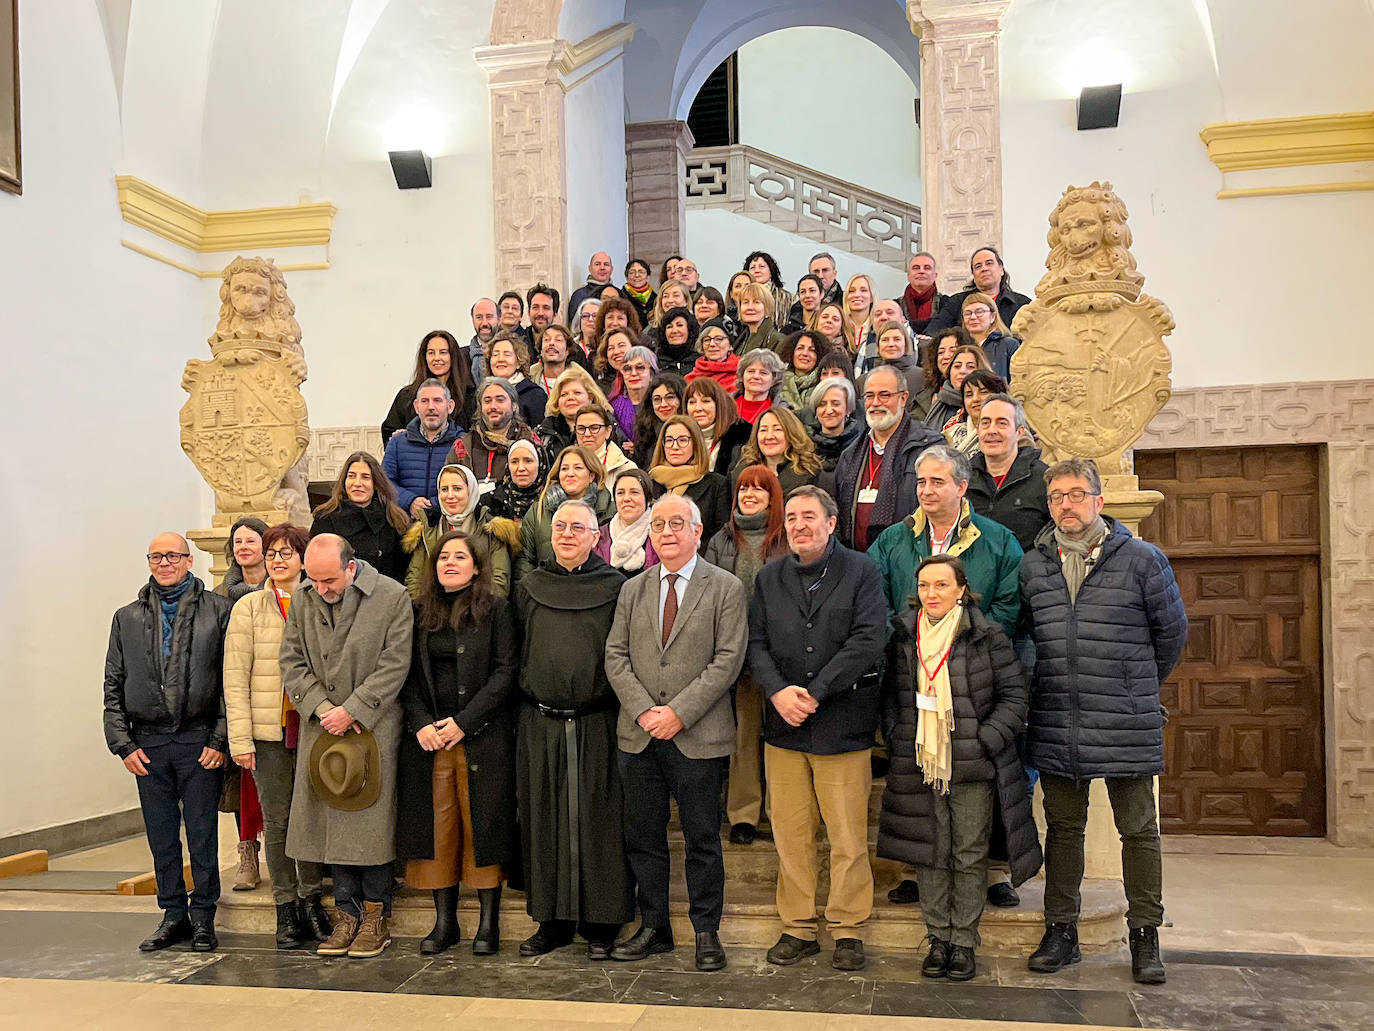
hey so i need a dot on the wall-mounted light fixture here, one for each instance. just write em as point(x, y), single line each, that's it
point(412, 168)
point(1099, 107)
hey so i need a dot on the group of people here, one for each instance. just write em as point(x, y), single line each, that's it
point(670, 555)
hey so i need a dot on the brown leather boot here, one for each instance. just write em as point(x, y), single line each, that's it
point(247, 876)
point(345, 930)
point(373, 936)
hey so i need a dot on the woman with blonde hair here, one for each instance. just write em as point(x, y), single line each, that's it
point(672, 294)
point(781, 444)
point(829, 323)
point(573, 389)
point(682, 465)
point(858, 315)
point(756, 318)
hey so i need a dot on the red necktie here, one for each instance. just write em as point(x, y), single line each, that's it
point(670, 607)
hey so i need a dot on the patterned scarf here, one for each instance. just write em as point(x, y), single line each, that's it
point(1075, 553)
point(934, 699)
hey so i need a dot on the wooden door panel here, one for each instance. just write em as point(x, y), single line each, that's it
point(1243, 745)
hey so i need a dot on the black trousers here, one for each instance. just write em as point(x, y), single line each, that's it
point(354, 885)
point(176, 788)
point(650, 778)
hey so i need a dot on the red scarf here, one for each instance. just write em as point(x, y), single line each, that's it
point(750, 411)
point(918, 306)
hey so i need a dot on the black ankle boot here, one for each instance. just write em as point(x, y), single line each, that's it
point(1146, 966)
point(446, 931)
point(315, 920)
point(487, 940)
point(290, 930)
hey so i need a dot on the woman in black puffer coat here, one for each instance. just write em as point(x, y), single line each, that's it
point(945, 794)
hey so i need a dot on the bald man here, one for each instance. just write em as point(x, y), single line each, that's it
point(599, 273)
point(164, 718)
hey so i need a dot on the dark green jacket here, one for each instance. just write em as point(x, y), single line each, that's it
point(989, 553)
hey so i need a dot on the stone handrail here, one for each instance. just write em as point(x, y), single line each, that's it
point(779, 192)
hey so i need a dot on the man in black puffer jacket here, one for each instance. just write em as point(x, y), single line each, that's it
point(164, 717)
point(1109, 626)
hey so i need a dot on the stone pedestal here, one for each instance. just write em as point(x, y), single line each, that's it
point(961, 135)
point(655, 170)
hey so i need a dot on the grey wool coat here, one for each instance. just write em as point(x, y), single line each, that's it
point(360, 662)
point(693, 674)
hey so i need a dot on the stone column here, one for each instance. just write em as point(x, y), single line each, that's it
point(529, 190)
point(655, 172)
point(961, 139)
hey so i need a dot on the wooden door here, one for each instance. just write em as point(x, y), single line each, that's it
point(1243, 745)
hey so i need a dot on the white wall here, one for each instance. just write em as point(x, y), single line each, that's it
point(1236, 272)
point(798, 90)
point(719, 240)
point(95, 338)
point(595, 173)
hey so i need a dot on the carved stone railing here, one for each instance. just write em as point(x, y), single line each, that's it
point(781, 193)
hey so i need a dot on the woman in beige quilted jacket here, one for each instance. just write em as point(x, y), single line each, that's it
point(263, 728)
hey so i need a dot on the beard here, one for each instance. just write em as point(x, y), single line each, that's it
point(881, 419)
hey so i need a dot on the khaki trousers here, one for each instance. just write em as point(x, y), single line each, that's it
point(803, 790)
point(744, 796)
point(454, 860)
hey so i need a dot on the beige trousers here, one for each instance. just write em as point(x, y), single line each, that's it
point(803, 790)
point(744, 796)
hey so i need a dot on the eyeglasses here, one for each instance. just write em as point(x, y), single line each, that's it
point(715, 338)
point(281, 553)
point(576, 528)
point(882, 396)
point(980, 310)
point(635, 367)
point(677, 524)
point(1058, 497)
point(159, 557)
point(677, 441)
point(588, 428)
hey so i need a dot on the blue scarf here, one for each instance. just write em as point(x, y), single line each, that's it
point(170, 600)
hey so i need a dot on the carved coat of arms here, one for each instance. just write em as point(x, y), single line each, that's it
point(244, 425)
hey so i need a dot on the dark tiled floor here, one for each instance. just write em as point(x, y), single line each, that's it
point(1216, 991)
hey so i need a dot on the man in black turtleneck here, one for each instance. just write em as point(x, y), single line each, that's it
point(816, 622)
point(164, 717)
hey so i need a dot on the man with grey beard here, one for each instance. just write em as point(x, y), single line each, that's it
point(875, 477)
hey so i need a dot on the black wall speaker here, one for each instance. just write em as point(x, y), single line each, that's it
point(1099, 107)
point(412, 169)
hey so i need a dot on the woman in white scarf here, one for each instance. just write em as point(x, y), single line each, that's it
point(624, 541)
point(458, 498)
point(960, 702)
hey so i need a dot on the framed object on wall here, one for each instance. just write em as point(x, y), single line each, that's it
point(11, 173)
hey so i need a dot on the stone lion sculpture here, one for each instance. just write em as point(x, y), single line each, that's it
point(1089, 245)
point(254, 303)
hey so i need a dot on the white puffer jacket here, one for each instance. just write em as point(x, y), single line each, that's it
point(253, 694)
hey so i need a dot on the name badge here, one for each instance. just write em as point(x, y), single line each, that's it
point(868, 496)
point(928, 702)
point(485, 487)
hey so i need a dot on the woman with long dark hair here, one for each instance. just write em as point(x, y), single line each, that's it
point(714, 412)
point(439, 357)
point(456, 767)
point(666, 392)
point(802, 353)
point(763, 269)
point(362, 509)
point(949, 402)
point(954, 704)
point(677, 341)
point(935, 358)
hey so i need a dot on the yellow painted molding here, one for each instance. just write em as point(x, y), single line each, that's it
point(178, 221)
point(1352, 186)
point(1288, 142)
point(576, 55)
point(213, 273)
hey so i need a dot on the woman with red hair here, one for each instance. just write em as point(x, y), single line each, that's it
point(753, 536)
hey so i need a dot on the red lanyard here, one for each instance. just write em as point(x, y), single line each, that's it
point(930, 674)
point(491, 457)
point(873, 467)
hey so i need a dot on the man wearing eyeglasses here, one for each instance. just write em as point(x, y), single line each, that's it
point(164, 717)
point(573, 843)
point(1109, 626)
point(676, 648)
point(875, 477)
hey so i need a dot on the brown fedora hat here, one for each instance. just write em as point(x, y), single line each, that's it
point(346, 772)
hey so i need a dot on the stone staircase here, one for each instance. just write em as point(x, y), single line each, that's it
point(750, 917)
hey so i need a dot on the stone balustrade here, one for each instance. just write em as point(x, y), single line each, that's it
point(800, 200)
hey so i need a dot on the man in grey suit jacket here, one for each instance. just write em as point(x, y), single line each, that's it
point(676, 647)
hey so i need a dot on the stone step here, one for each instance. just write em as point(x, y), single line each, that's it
point(750, 917)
